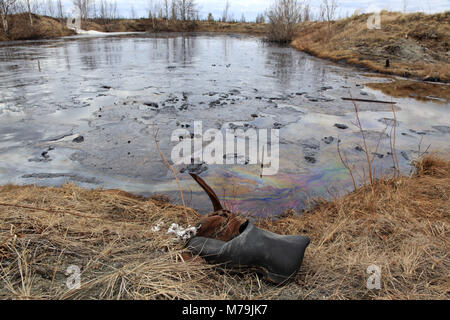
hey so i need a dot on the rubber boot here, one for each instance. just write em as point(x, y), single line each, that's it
point(274, 256)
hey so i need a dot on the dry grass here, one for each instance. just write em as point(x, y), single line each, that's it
point(416, 44)
point(108, 235)
point(43, 28)
point(408, 237)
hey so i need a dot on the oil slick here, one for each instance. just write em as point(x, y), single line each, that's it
point(190, 149)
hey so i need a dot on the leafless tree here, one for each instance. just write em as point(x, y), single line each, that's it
point(85, 7)
point(30, 16)
point(182, 7)
point(306, 12)
point(107, 10)
point(321, 16)
point(184, 10)
point(283, 17)
point(225, 14)
point(133, 12)
point(6, 6)
point(329, 7)
point(192, 12)
point(50, 10)
point(60, 9)
point(79, 4)
point(155, 10)
point(173, 10)
point(166, 11)
point(113, 8)
point(260, 18)
point(92, 9)
point(102, 10)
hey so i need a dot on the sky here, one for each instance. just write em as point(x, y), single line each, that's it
point(251, 8)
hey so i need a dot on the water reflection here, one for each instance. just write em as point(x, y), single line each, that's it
point(88, 58)
point(283, 65)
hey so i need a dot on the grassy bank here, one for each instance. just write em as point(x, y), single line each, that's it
point(416, 44)
point(48, 27)
point(108, 234)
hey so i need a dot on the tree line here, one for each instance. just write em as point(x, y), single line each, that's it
point(281, 17)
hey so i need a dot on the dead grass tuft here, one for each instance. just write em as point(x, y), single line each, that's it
point(432, 166)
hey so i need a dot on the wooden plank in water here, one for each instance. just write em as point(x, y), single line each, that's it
point(367, 100)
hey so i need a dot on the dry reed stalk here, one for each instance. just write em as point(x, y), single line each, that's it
point(170, 167)
point(345, 163)
point(366, 151)
point(393, 143)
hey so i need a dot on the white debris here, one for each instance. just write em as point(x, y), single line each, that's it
point(157, 228)
point(182, 233)
point(93, 33)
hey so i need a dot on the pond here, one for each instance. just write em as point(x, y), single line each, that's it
point(85, 109)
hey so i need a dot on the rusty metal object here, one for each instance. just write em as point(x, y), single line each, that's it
point(227, 238)
point(221, 224)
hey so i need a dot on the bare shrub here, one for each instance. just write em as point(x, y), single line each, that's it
point(6, 6)
point(328, 12)
point(283, 17)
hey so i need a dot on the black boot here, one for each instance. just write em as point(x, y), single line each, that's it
point(277, 257)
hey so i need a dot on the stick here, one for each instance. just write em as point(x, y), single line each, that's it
point(346, 165)
point(367, 100)
point(167, 164)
